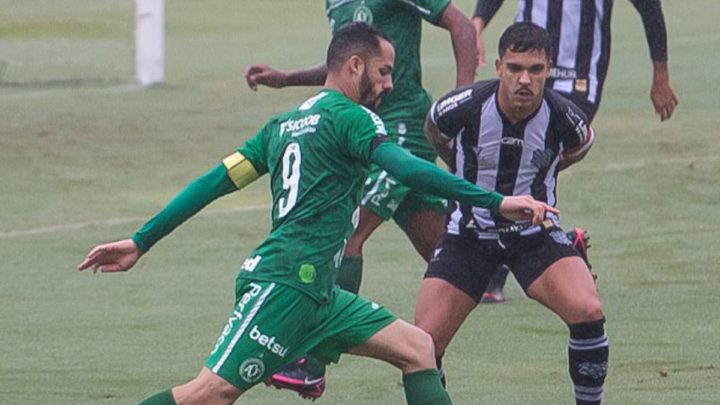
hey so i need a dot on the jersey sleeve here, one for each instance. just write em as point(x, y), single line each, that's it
point(486, 9)
point(365, 130)
point(654, 25)
point(255, 150)
point(576, 133)
point(450, 112)
point(430, 10)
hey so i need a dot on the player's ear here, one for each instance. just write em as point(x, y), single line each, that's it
point(356, 65)
point(498, 64)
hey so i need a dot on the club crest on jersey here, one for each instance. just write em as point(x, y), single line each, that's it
point(251, 370)
point(363, 14)
point(542, 158)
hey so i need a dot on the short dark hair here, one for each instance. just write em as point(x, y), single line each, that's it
point(357, 38)
point(525, 37)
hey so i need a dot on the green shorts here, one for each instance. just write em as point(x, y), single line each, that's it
point(274, 324)
point(384, 195)
point(387, 198)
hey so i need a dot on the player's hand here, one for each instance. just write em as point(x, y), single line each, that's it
point(112, 257)
point(525, 208)
point(479, 26)
point(264, 75)
point(661, 94)
point(663, 99)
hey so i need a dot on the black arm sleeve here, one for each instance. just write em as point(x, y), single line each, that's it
point(654, 24)
point(486, 9)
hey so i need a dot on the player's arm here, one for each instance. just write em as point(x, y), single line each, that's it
point(261, 74)
point(661, 93)
point(484, 12)
point(234, 173)
point(441, 143)
point(573, 155)
point(462, 36)
point(427, 177)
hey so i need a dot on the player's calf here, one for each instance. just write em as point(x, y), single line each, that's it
point(588, 353)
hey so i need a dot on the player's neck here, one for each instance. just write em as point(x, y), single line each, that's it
point(516, 113)
point(346, 87)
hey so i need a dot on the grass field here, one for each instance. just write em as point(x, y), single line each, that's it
point(87, 161)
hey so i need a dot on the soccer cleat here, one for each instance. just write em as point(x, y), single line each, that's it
point(580, 241)
point(494, 292)
point(299, 378)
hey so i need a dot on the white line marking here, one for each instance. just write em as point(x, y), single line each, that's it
point(43, 230)
point(582, 169)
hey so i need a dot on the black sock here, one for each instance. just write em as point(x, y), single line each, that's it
point(588, 353)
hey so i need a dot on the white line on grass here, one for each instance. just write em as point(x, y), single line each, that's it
point(615, 167)
point(618, 167)
point(43, 230)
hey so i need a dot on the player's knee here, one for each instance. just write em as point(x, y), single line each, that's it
point(591, 310)
point(206, 389)
point(420, 353)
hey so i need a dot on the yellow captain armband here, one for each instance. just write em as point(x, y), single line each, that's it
point(240, 170)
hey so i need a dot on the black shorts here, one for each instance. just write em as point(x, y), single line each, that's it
point(468, 263)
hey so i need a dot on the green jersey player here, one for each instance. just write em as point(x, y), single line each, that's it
point(286, 301)
point(420, 215)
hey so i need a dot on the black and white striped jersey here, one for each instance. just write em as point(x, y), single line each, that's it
point(580, 31)
point(512, 159)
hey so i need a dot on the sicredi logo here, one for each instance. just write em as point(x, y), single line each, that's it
point(300, 126)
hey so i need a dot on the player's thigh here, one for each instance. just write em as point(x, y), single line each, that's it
point(568, 289)
point(351, 320)
point(268, 328)
point(456, 277)
point(401, 344)
point(422, 218)
point(551, 271)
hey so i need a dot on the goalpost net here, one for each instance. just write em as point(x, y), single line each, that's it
point(81, 42)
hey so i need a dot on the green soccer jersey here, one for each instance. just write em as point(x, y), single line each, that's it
point(401, 20)
point(317, 156)
point(404, 109)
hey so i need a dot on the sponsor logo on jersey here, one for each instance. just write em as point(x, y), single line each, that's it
point(267, 342)
point(250, 263)
point(581, 128)
point(510, 141)
point(363, 14)
point(251, 370)
point(238, 313)
point(300, 126)
point(558, 72)
point(452, 102)
point(379, 124)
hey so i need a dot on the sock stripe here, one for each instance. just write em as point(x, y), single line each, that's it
point(588, 344)
point(591, 394)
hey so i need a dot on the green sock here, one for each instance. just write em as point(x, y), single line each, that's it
point(350, 275)
point(423, 388)
point(159, 398)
